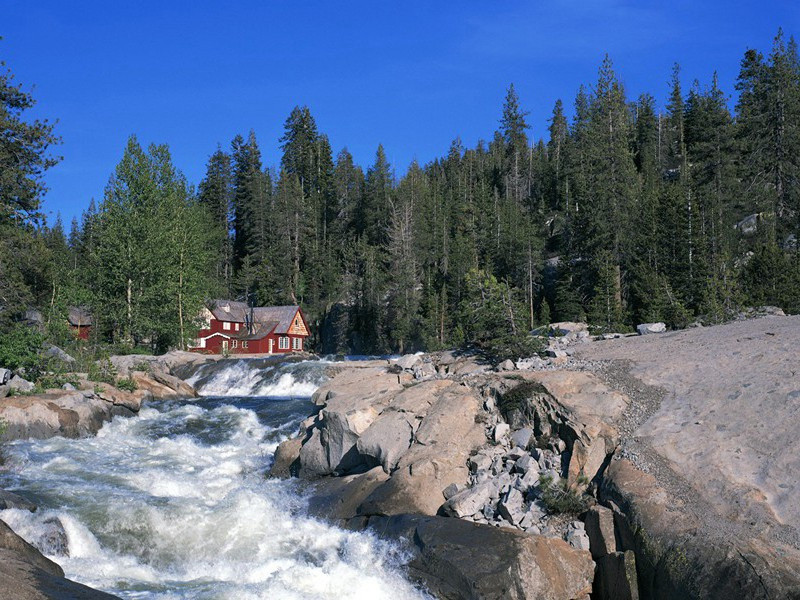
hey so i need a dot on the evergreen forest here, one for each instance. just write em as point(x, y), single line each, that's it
point(679, 207)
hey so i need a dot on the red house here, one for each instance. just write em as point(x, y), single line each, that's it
point(237, 328)
point(80, 321)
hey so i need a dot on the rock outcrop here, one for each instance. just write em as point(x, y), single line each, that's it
point(707, 472)
point(25, 574)
point(459, 560)
point(69, 414)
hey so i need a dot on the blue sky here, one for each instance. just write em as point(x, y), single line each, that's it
point(412, 75)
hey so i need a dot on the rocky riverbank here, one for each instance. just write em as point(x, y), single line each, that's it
point(589, 455)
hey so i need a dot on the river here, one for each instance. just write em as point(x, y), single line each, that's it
point(173, 504)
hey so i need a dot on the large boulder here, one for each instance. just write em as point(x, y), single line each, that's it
point(66, 413)
point(179, 386)
point(25, 574)
point(18, 383)
point(57, 353)
point(386, 440)
point(456, 559)
point(12, 500)
point(647, 328)
point(446, 437)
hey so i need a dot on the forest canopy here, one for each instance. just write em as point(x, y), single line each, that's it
point(625, 213)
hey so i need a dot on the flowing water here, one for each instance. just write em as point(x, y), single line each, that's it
point(173, 503)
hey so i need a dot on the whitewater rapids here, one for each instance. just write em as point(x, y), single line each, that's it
point(173, 504)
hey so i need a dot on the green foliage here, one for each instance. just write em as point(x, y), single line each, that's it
point(103, 371)
point(517, 397)
point(20, 348)
point(493, 318)
point(127, 384)
point(561, 498)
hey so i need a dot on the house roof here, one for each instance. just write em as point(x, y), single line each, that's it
point(260, 330)
point(79, 316)
point(229, 310)
point(283, 315)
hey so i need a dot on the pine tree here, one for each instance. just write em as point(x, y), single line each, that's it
point(216, 194)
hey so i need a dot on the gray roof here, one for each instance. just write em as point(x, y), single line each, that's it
point(282, 314)
point(79, 316)
point(229, 310)
point(260, 330)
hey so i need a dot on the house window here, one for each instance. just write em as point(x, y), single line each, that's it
point(244, 344)
point(283, 343)
point(226, 325)
point(234, 344)
point(297, 343)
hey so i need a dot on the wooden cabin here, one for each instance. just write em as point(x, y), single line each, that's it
point(80, 321)
point(237, 328)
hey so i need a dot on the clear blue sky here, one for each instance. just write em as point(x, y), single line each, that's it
point(412, 75)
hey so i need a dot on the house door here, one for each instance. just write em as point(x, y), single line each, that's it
point(224, 345)
point(270, 346)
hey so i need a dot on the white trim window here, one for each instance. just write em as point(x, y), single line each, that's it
point(226, 325)
point(283, 343)
point(244, 344)
point(297, 343)
point(234, 343)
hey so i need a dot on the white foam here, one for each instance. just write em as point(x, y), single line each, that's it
point(147, 505)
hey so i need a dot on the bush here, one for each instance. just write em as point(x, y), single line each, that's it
point(127, 384)
point(56, 380)
point(561, 498)
point(20, 349)
point(103, 371)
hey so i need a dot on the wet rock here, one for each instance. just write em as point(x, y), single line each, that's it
point(53, 540)
point(287, 453)
point(12, 500)
point(179, 386)
point(647, 328)
point(339, 498)
point(26, 574)
point(69, 414)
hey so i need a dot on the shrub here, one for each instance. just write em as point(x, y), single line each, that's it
point(561, 498)
point(56, 380)
point(19, 349)
point(127, 384)
point(103, 371)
